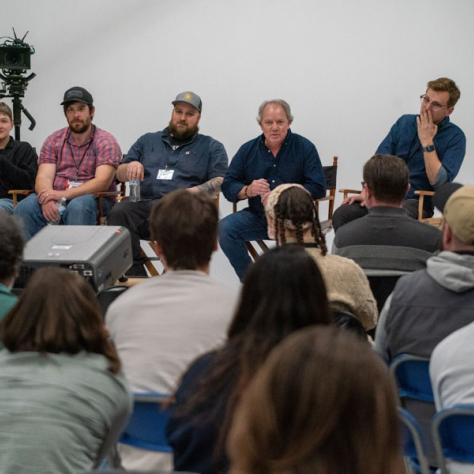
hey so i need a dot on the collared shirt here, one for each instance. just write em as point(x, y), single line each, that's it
point(296, 162)
point(403, 141)
point(194, 162)
point(18, 164)
point(79, 163)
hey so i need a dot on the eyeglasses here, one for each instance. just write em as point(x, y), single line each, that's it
point(429, 103)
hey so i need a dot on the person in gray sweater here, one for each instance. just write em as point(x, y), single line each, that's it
point(63, 401)
point(428, 305)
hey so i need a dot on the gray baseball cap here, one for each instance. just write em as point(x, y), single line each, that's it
point(190, 98)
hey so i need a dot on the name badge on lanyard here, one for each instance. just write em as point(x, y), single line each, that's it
point(165, 174)
point(73, 184)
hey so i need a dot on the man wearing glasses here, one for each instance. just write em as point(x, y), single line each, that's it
point(432, 147)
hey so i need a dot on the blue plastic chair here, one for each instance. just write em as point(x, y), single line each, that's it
point(413, 444)
point(146, 428)
point(147, 425)
point(416, 395)
point(453, 435)
point(413, 378)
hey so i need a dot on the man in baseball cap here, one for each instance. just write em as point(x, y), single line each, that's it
point(189, 98)
point(174, 158)
point(77, 94)
point(75, 163)
point(451, 367)
point(430, 304)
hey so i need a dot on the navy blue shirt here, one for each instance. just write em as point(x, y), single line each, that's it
point(296, 162)
point(403, 141)
point(194, 162)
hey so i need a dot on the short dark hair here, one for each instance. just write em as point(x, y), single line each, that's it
point(387, 177)
point(58, 312)
point(444, 84)
point(11, 246)
point(185, 226)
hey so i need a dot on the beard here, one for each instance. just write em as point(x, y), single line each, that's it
point(183, 133)
point(79, 126)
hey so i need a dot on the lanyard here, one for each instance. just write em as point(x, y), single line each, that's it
point(77, 165)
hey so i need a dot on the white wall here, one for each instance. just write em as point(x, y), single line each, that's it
point(347, 68)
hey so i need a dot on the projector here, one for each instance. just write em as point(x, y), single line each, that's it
point(100, 254)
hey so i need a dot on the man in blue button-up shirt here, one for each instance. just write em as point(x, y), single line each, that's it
point(175, 158)
point(432, 147)
point(275, 157)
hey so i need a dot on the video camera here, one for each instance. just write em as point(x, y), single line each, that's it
point(15, 54)
point(15, 61)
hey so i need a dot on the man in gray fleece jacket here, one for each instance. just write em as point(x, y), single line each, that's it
point(428, 305)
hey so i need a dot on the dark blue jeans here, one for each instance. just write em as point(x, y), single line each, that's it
point(81, 210)
point(234, 230)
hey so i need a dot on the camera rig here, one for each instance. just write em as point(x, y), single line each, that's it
point(15, 61)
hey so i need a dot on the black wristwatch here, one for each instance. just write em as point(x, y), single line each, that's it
point(429, 148)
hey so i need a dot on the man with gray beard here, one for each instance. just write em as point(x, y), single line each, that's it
point(177, 157)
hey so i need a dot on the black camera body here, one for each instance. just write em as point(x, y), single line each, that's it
point(15, 61)
point(15, 56)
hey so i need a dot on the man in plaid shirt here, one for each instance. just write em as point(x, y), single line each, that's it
point(75, 163)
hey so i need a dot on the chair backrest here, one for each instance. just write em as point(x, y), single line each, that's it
point(382, 286)
point(412, 376)
point(330, 177)
point(416, 394)
point(434, 221)
point(453, 435)
point(413, 442)
point(146, 428)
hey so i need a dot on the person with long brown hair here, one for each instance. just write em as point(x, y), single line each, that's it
point(293, 219)
point(321, 403)
point(282, 292)
point(63, 400)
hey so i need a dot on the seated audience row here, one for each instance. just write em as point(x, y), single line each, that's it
point(283, 291)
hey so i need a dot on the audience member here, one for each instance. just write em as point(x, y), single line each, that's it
point(282, 292)
point(75, 162)
point(63, 401)
point(428, 305)
point(18, 161)
point(386, 238)
point(292, 218)
point(175, 158)
point(452, 377)
point(11, 243)
point(161, 325)
point(275, 157)
point(432, 147)
point(322, 402)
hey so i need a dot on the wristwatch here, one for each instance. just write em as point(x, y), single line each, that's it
point(429, 148)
